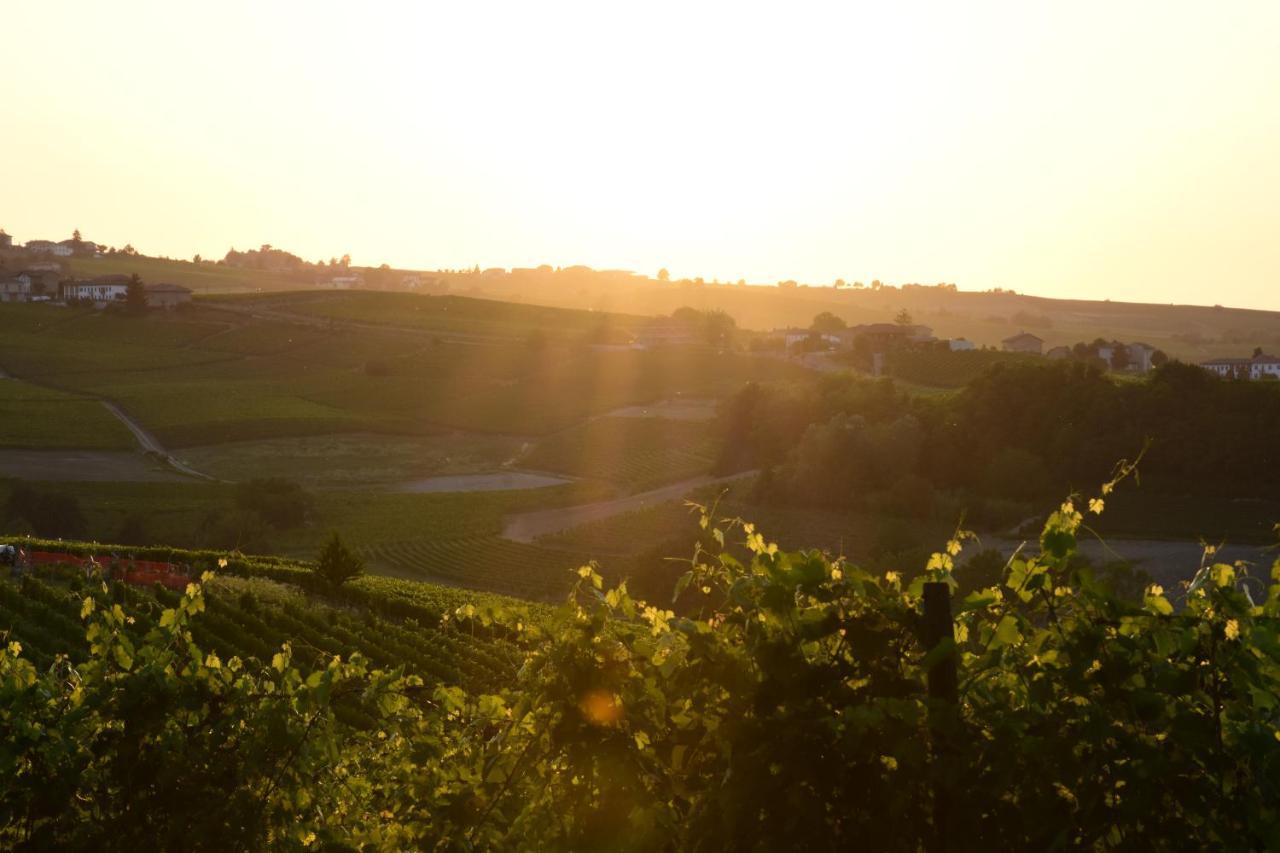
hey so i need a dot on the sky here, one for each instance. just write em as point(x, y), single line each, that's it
point(1079, 149)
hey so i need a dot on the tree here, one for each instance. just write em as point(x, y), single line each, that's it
point(337, 565)
point(1159, 358)
point(719, 328)
point(197, 259)
point(903, 318)
point(135, 297)
point(75, 235)
point(827, 323)
point(664, 275)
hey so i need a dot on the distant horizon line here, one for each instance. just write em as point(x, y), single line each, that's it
point(697, 280)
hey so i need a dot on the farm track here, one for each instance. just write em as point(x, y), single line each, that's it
point(526, 527)
point(150, 444)
point(146, 441)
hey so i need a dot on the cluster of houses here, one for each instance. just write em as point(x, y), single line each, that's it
point(54, 248)
point(1260, 366)
point(1140, 357)
point(1137, 357)
point(36, 285)
point(879, 335)
point(41, 278)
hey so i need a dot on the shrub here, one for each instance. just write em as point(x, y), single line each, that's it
point(337, 565)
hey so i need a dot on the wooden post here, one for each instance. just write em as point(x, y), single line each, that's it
point(938, 627)
point(943, 693)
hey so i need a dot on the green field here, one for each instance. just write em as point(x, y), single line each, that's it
point(208, 376)
point(42, 418)
point(354, 460)
point(638, 453)
point(177, 513)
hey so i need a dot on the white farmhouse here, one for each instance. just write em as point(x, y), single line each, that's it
point(49, 247)
point(100, 291)
point(1260, 366)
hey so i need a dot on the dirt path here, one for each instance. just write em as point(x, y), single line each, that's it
point(150, 444)
point(528, 526)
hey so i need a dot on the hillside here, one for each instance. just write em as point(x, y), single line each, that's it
point(413, 424)
point(1188, 332)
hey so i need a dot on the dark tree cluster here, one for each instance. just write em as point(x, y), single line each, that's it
point(1019, 434)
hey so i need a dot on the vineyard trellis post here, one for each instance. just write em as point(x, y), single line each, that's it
point(938, 629)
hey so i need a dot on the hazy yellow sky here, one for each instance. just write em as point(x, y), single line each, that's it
point(1128, 150)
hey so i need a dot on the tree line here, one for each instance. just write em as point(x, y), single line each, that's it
point(1020, 433)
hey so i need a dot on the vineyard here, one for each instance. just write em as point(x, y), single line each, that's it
point(261, 705)
point(486, 563)
point(249, 614)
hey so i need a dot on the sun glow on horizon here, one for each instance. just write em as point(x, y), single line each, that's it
point(1088, 150)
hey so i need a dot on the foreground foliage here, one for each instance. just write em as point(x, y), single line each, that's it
point(786, 709)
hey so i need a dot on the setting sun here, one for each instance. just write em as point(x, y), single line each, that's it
point(1092, 149)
